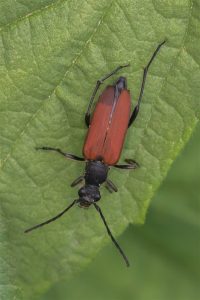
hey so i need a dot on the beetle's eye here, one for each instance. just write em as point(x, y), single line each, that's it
point(82, 192)
point(97, 196)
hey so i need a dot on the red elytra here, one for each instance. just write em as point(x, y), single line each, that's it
point(108, 127)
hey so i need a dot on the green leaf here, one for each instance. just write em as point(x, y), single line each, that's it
point(165, 252)
point(51, 54)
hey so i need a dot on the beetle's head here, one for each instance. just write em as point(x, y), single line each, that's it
point(88, 195)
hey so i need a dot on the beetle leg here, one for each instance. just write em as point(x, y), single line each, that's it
point(132, 164)
point(111, 186)
point(77, 181)
point(68, 155)
point(137, 107)
point(99, 82)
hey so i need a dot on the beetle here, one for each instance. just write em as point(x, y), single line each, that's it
point(103, 143)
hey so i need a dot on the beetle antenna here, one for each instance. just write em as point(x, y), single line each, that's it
point(52, 219)
point(111, 236)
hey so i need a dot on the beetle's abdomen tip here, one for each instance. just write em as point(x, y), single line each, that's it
point(121, 83)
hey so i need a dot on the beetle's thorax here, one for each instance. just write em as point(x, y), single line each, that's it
point(96, 173)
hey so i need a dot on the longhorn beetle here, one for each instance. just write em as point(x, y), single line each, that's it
point(103, 144)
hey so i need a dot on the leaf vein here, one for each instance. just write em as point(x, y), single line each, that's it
point(53, 92)
point(32, 14)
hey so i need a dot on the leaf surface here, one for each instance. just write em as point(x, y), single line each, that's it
point(51, 54)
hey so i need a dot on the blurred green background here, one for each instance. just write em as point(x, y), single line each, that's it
point(164, 253)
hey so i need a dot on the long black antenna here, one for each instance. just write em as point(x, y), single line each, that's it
point(52, 219)
point(111, 236)
point(145, 71)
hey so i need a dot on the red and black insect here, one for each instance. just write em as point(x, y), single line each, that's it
point(103, 144)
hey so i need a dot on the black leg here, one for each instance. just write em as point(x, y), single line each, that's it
point(52, 219)
point(132, 164)
point(77, 181)
point(68, 155)
point(137, 107)
point(99, 82)
point(111, 186)
point(111, 236)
